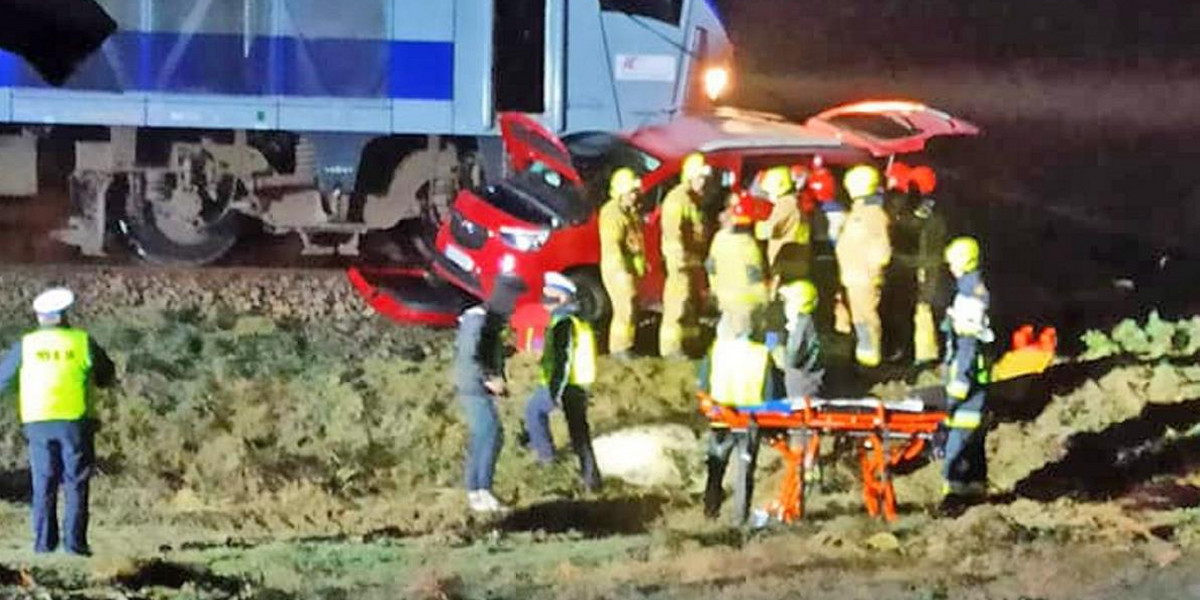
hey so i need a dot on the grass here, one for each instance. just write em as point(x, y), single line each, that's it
point(265, 457)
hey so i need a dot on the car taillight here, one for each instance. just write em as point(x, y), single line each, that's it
point(524, 240)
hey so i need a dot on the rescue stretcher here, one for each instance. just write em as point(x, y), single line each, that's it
point(887, 434)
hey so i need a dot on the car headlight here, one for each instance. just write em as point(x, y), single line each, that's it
point(524, 240)
point(716, 80)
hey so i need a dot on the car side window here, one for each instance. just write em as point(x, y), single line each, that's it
point(653, 197)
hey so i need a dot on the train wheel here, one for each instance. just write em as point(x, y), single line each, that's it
point(173, 226)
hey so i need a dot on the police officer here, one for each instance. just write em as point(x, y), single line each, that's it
point(863, 252)
point(683, 247)
point(967, 329)
point(567, 372)
point(55, 366)
point(480, 379)
point(738, 371)
point(622, 258)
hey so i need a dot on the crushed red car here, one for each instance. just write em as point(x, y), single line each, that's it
point(543, 216)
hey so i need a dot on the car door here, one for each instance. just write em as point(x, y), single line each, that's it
point(889, 127)
point(650, 286)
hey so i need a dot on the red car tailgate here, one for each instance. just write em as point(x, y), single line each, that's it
point(887, 127)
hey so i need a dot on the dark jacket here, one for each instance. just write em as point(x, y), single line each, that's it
point(478, 351)
point(559, 342)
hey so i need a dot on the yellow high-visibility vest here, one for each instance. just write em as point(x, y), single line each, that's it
point(583, 354)
point(55, 365)
point(581, 368)
point(738, 371)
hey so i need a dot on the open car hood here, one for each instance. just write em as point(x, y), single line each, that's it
point(889, 127)
point(531, 147)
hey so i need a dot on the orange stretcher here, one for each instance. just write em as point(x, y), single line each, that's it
point(888, 434)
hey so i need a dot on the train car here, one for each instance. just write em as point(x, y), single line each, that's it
point(329, 120)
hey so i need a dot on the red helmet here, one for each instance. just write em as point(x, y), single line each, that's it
point(923, 179)
point(749, 209)
point(822, 184)
point(800, 175)
point(898, 176)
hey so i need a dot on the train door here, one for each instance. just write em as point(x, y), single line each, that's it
point(519, 58)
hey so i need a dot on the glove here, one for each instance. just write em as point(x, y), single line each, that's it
point(639, 265)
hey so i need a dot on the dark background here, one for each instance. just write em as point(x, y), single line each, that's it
point(1087, 176)
point(1110, 34)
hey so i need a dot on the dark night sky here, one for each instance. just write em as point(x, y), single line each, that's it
point(1113, 34)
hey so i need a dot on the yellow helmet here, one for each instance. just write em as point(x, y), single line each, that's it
point(861, 181)
point(623, 181)
point(801, 293)
point(777, 181)
point(693, 166)
point(962, 254)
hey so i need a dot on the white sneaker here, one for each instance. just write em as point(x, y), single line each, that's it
point(489, 502)
point(476, 503)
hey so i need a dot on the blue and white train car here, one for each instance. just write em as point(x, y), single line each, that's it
point(338, 118)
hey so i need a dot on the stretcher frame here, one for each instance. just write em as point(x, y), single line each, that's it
point(888, 434)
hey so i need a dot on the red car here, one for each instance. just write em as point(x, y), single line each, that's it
point(543, 216)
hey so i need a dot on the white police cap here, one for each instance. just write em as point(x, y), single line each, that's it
point(53, 301)
point(557, 281)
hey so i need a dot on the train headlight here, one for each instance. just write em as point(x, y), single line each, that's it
point(716, 82)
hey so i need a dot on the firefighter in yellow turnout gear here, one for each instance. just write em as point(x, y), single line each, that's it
point(967, 377)
point(736, 273)
point(683, 248)
point(785, 230)
point(622, 256)
point(863, 252)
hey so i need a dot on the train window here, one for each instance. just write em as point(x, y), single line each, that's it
point(668, 11)
point(519, 62)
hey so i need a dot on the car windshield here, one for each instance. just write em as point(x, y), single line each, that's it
point(596, 155)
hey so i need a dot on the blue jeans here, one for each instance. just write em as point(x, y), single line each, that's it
point(487, 438)
point(966, 456)
point(537, 425)
point(60, 453)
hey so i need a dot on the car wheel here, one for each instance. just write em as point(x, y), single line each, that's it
point(593, 299)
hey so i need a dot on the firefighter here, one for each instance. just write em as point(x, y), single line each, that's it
point(900, 280)
point(931, 238)
point(622, 258)
point(800, 354)
point(967, 331)
point(863, 252)
point(785, 230)
point(56, 365)
point(480, 380)
point(738, 371)
point(683, 249)
point(568, 369)
point(735, 267)
point(822, 185)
